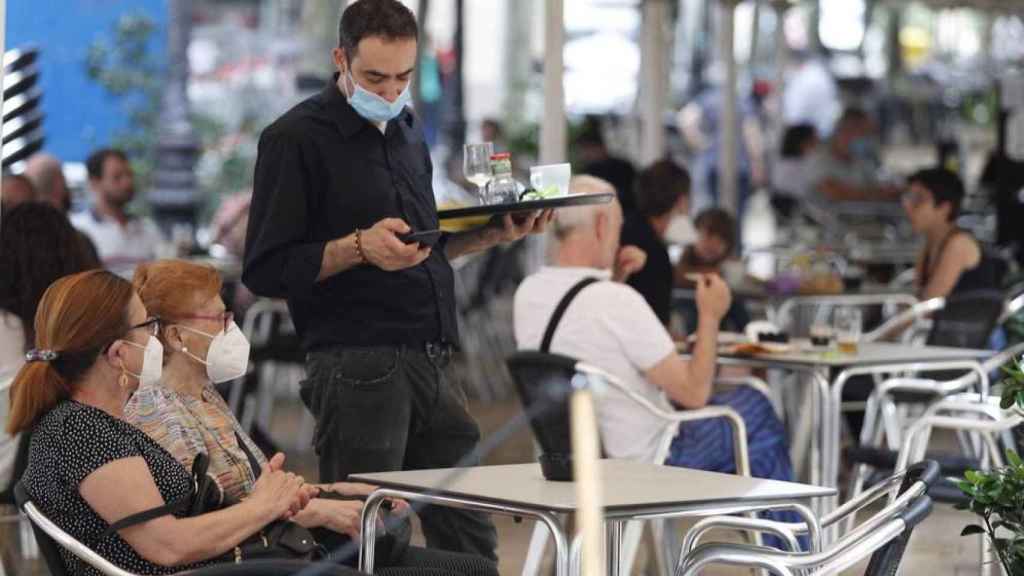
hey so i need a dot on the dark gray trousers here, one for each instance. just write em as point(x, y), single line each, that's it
point(384, 409)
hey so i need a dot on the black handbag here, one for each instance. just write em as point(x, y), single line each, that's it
point(278, 540)
point(390, 545)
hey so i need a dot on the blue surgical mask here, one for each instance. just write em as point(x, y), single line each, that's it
point(863, 148)
point(373, 107)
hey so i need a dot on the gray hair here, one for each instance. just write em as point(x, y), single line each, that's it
point(43, 170)
point(568, 220)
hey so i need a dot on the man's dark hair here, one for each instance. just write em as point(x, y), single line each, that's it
point(389, 19)
point(794, 138)
point(659, 187)
point(94, 163)
point(718, 222)
point(944, 185)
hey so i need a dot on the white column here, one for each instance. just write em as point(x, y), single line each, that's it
point(654, 78)
point(781, 63)
point(517, 60)
point(727, 165)
point(552, 129)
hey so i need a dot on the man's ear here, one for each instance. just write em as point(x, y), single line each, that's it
point(340, 61)
point(601, 222)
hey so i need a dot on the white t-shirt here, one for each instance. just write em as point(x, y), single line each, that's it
point(12, 356)
point(12, 344)
point(609, 325)
point(120, 247)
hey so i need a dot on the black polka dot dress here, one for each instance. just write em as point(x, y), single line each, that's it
point(69, 443)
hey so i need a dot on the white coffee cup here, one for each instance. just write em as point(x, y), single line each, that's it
point(557, 176)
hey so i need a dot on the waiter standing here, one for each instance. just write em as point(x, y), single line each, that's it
point(338, 179)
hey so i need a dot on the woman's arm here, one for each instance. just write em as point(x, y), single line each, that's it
point(125, 486)
point(961, 253)
point(341, 516)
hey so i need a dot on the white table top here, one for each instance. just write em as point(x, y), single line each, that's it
point(627, 486)
point(867, 354)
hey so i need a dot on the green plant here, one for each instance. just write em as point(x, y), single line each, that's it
point(998, 496)
point(127, 69)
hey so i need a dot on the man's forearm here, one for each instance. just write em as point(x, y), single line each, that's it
point(339, 255)
point(470, 241)
point(705, 354)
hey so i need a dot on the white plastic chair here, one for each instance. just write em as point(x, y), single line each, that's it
point(634, 530)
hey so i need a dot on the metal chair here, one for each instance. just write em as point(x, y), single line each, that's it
point(52, 538)
point(883, 536)
point(268, 326)
point(544, 382)
point(821, 307)
point(972, 413)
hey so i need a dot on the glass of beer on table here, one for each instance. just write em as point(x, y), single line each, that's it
point(847, 322)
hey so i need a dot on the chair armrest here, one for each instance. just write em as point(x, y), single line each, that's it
point(906, 318)
point(749, 381)
point(735, 421)
point(784, 530)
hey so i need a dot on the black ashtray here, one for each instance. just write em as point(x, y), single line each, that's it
point(852, 283)
point(820, 341)
point(556, 467)
point(775, 337)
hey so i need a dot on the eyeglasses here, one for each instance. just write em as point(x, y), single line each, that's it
point(152, 324)
point(225, 318)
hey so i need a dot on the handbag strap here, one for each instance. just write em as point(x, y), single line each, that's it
point(199, 466)
point(563, 305)
point(173, 507)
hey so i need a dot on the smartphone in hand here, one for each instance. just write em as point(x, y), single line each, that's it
point(424, 237)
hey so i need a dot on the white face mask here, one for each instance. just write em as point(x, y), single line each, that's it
point(680, 230)
point(228, 355)
point(152, 362)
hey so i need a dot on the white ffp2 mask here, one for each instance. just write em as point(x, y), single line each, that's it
point(228, 355)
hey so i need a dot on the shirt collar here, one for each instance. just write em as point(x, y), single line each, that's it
point(578, 272)
point(350, 122)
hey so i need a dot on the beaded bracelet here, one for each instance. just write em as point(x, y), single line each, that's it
point(359, 247)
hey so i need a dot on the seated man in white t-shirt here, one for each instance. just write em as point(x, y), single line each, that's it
point(611, 326)
point(121, 240)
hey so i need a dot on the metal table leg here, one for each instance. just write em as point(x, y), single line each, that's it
point(614, 547)
point(371, 510)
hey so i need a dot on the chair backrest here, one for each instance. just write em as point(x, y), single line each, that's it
point(51, 553)
point(886, 560)
point(269, 328)
point(51, 538)
point(544, 383)
point(967, 320)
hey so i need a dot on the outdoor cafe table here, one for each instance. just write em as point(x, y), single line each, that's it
point(826, 401)
point(631, 490)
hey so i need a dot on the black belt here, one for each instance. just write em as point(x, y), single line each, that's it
point(432, 350)
point(436, 350)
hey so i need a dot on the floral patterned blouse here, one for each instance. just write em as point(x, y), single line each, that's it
point(185, 425)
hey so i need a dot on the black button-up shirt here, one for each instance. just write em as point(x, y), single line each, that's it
point(323, 171)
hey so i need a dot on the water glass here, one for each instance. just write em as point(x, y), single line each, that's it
point(476, 166)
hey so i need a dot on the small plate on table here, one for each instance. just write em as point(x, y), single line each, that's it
point(526, 206)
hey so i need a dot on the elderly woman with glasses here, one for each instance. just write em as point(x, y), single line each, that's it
point(186, 415)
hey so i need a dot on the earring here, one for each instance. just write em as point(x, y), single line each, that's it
point(184, 348)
